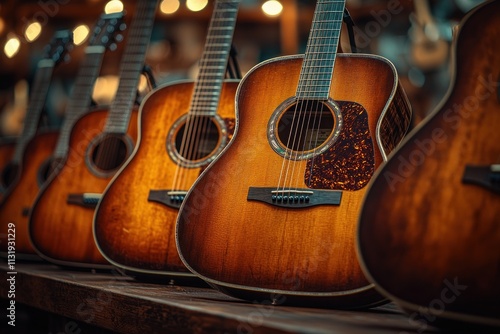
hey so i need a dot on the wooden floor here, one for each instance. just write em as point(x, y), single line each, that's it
point(50, 299)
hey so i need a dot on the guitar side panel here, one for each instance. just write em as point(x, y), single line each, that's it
point(131, 231)
point(247, 245)
point(60, 231)
point(16, 206)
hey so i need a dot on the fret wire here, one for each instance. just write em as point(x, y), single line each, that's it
point(213, 61)
point(131, 66)
point(35, 107)
point(319, 59)
point(80, 99)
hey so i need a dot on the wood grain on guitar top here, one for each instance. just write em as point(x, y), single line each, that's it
point(246, 247)
point(427, 237)
point(132, 231)
point(15, 209)
point(62, 231)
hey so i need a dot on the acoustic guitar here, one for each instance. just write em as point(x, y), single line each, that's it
point(273, 218)
point(100, 141)
point(183, 126)
point(429, 231)
point(31, 150)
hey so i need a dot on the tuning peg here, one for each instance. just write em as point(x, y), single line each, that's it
point(119, 38)
point(122, 27)
point(67, 58)
point(112, 46)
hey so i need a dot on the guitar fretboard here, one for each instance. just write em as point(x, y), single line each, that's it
point(131, 66)
point(40, 89)
point(214, 59)
point(321, 51)
point(81, 96)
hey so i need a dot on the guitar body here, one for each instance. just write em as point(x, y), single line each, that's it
point(133, 230)
point(257, 251)
point(429, 231)
point(60, 224)
point(33, 173)
point(7, 148)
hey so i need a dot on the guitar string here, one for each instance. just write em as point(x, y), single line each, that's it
point(110, 154)
point(322, 59)
point(289, 147)
point(192, 126)
point(197, 126)
point(79, 102)
point(313, 59)
point(333, 29)
point(222, 45)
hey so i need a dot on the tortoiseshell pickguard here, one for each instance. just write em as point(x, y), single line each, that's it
point(350, 163)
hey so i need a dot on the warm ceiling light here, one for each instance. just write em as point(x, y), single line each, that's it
point(12, 46)
point(272, 8)
point(2, 25)
point(33, 31)
point(169, 6)
point(80, 34)
point(196, 5)
point(113, 6)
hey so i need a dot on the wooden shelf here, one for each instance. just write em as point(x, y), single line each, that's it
point(113, 302)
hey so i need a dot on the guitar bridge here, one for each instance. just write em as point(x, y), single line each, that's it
point(171, 198)
point(485, 176)
point(294, 198)
point(88, 200)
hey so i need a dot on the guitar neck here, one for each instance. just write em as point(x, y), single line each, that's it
point(81, 96)
point(40, 89)
point(131, 66)
point(214, 59)
point(321, 51)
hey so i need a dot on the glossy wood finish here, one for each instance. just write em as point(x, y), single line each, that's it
point(62, 232)
point(132, 232)
point(429, 241)
point(15, 209)
point(260, 252)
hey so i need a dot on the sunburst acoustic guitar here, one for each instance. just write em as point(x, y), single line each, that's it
point(429, 231)
point(183, 126)
point(273, 218)
point(60, 225)
point(32, 148)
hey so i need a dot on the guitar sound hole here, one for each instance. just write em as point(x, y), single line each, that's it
point(306, 125)
point(109, 153)
point(197, 138)
point(9, 174)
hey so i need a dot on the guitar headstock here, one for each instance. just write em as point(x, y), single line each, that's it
point(58, 49)
point(107, 32)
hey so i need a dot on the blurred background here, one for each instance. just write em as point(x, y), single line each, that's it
point(415, 35)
